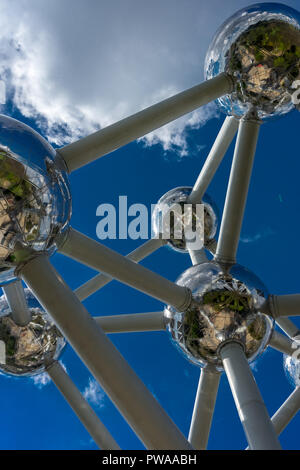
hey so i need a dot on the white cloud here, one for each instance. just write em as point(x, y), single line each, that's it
point(75, 66)
point(94, 394)
point(41, 380)
point(267, 232)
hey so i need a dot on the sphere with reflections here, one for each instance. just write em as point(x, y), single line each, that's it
point(259, 47)
point(291, 365)
point(27, 350)
point(35, 201)
point(225, 306)
point(173, 215)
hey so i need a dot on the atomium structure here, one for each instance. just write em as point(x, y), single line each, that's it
point(218, 313)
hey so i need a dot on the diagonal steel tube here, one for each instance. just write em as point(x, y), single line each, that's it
point(252, 411)
point(81, 407)
point(211, 245)
point(204, 408)
point(286, 412)
point(101, 258)
point(100, 280)
point(127, 130)
point(237, 191)
point(15, 296)
point(283, 305)
point(133, 322)
point(198, 257)
point(288, 327)
point(281, 343)
point(141, 410)
point(215, 156)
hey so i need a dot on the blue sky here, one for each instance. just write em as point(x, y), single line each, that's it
point(34, 415)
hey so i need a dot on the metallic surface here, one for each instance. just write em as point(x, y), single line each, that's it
point(81, 407)
point(287, 411)
point(259, 47)
point(284, 305)
point(97, 256)
point(15, 297)
point(133, 322)
point(121, 133)
point(204, 408)
point(237, 191)
point(138, 406)
point(100, 280)
point(225, 307)
point(28, 349)
point(214, 158)
point(35, 201)
point(198, 257)
point(282, 343)
point(167, 221)
point(288, 327)
point(252, 411)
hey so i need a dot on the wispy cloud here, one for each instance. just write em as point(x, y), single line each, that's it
point(41, 380)
point(94, 394)
point(265, 233)
point(75, 74)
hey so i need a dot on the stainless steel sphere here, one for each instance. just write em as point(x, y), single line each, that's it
point(27, 350)
point(165, 222)
point(225, 307)
point(35, 201)
point(259, 47)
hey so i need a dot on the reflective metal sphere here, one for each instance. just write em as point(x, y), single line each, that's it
point(27, 350)
point(259, 47)
point(35, 201)
point(225, 307)
point(165, 223)
point(292, 366)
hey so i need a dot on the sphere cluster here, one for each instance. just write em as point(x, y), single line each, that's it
point(27, 350)
point(226, 306)
point(259, 47)
point(35, 201)
point(170, 215)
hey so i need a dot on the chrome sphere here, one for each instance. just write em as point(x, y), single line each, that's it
point(259, 47)
point(166, 221)
point(27, 350)
point(35, 201)
point(225, 306)
point(291, 365)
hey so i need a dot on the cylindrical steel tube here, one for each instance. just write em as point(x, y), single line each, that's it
point(253, 414)
point(101, 258)
point(81, 408)
point(133, 322)
point(100, 280)
point(15, 296)
point(237, 191)
point(215, 156)
point(204, 408)
point(121, 133)
point(126, 390)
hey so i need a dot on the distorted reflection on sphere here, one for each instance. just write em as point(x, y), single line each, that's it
point(173, 214)
point(35, 202)
point(226, 306)
point(259, 47)
point(27, 350)
point(291, 366)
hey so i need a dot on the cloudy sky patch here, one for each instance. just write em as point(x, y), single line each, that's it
point(75, 66)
